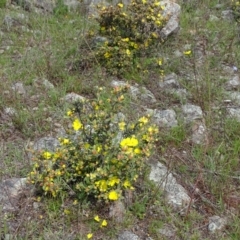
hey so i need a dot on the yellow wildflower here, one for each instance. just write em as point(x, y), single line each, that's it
point(69, 113)
point(89, 235)
point(129, 142)
point(97, 218)
point(128, 52)
point(120, 5)
point(107, 55)
point(187, 52)
point(125, 39)
point(156, 4)
point(47, 155)
point(143, 120)
point(102, 185)
point(144, 1)
point(104, 223)
point(113, 180)
point(77, 124)
point(127, 184)
point(113, 195)
point(121, 126)
point(137, 150)
point(159, 61)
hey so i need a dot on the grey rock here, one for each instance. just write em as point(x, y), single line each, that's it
point(137, 92)
point(233, 83)
point(175, 194)
point(227, 15)
point(47, 144)
point(73, 97)
point(163, 118)
point(127, 235)
point(117, 211)
point(191, 113)
point(234, 113)
point(235, 96)
point(170, 82)
point(216, 223)
point(47, 84)
point(173, 10)
point(19, 88)
point(167, 231)
point(199, 133)
point(213, 18)
point(73, 5)
point(9, 111)
point(10, 191)
point(8, 21)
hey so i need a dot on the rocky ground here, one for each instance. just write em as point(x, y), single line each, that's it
point(196, 105)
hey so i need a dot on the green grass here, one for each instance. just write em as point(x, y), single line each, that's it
point(49, 50)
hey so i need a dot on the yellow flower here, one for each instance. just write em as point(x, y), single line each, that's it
point(97, 218)
point(69, 113)
point(129, 142)
point(77, 124)
point(120, 5)
point(128, 52)
point(47, 155)
point(158, 23)
point(104, 223)
point(143, 120)
point(137, 150)
point(121, 126)
point(125, 39)
point(89, 235)
point(113, 195)
point(159, 62)
point(127, 184)
point(144, 1)
point(156, 4)
point(113, 180)
point(107, 55)
point(102, 185)
point(154, 35)
point(187, 52)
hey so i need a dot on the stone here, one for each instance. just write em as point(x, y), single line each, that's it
point(19, 88)
point(47, 144)
point(216, 223)
point(127, 235)
point(47, 84)
point(9, 111)
point(235, 96)
point(172, 10)
point(167, 231)
point(199, 133)
point(233, 83)
point(227, 15)
point(163, 118)
point(170, 82)
point(175, 195)
point(191, 113)
point(73, 97)
point(234, 113)
point(137, 92)
point(117, 211)
point(10, 191)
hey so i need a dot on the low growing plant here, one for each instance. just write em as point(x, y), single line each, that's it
point(131, 32)
point(101, 155)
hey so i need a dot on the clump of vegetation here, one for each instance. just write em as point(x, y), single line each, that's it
point(131, 32)
point(102, 154)
point(236, 9)
point(3, 3)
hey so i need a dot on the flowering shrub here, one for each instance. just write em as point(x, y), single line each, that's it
point(131, 32)
point(236, 9)
point(101, 155)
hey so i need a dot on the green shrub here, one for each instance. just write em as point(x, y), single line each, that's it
point(3, 3)
point(236, 9)
point(101, 156)
point(131, 32)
